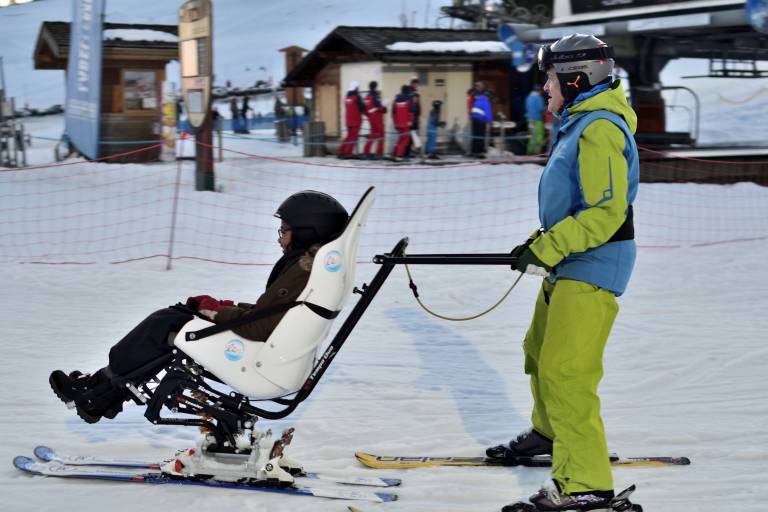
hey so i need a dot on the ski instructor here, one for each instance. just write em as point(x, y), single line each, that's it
point(586, 250)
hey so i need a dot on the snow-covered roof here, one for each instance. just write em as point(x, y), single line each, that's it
point(450, 46)
point(133, 34)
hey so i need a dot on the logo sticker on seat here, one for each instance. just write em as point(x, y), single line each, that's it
point(234, 350)
point(333, 261)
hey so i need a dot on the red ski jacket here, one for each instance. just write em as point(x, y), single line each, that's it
point(354, 108)
point(374, 109)
point(401, 112)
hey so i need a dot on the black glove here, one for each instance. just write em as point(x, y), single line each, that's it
point(520, 249)
point(529, 263)
point(525, 258)
point(517, 251)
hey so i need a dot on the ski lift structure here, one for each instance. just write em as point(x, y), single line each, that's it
point(646, 35)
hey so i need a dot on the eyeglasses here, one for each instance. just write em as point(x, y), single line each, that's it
point(282, 231)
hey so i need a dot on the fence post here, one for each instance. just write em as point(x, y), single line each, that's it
point(314, 138)
point(175, 207)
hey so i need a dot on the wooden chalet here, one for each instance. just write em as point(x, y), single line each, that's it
point(134, 57)
point(447, 63)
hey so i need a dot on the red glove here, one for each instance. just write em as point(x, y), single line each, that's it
point(207, 302)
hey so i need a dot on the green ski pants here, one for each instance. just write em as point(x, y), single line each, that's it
point(564, 357)
point(536, 137)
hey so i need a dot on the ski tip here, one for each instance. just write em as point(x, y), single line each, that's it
point(366, 459)
point(385, 496)
point(44, 453)
point(392, 482)
point(25, 464)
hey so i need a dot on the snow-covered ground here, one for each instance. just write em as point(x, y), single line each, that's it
point(685, 365)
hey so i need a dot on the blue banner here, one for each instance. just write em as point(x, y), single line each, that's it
point(84, 76)
point(507, 35)
point(757, 14)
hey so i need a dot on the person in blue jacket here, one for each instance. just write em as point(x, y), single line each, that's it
point(534, 111)
point(480, 115)
point(586, 250)
point(433, 127)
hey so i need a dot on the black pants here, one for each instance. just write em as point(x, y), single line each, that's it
point(478, 136)
point(148, 340)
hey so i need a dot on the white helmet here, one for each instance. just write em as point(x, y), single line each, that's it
point(581, 62)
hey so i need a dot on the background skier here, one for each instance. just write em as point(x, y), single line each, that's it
point(433, 126)
point(401, 117)
point(587, 250)
point(235, 115)
point(353, 117)
point(375, 112)
point(480, 115)
point(308, 220)
point(244, 114)
point(415, 97)
point(534, 111)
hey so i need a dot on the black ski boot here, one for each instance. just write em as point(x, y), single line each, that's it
point(527, 444)
point(551, 499)
point(69, 388)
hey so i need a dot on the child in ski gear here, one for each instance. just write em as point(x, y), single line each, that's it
point(309, 219)
point(534, 111)
point(586, 250)
point(353, 117)
point(433, 126)
point(375, 112)
point(402, 118)
point(480, 115)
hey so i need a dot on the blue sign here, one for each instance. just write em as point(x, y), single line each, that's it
point(84, 76)
point(757, 14)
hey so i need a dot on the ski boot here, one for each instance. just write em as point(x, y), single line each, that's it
point(550, 499)
point(526, 444)
point(70, 388)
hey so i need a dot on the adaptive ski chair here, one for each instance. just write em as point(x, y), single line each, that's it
point(283, 370)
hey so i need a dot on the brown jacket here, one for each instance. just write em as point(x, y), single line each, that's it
point(285, 288)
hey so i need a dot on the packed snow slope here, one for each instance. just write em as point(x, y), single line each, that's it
point(684, 367)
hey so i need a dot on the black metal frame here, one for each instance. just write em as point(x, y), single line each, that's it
point(232, 412)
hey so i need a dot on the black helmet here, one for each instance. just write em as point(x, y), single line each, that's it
point(314, 217)
point(373, 85)
point(437, 103)
point(581, 62)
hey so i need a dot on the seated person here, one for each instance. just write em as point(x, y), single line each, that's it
point(309, 219)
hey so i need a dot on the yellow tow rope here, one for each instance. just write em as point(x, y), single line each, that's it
point(413, 288)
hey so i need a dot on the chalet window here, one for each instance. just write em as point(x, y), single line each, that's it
point(139, 90)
